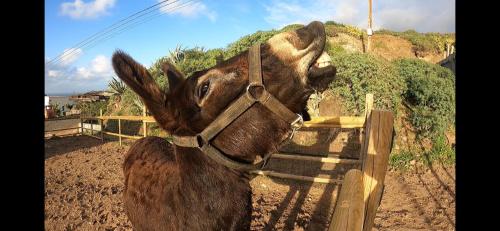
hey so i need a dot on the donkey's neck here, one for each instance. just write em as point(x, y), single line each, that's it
point(194, 165)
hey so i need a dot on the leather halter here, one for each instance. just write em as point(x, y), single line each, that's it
point(238, 107)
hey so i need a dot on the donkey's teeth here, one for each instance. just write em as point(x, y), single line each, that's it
point(323, 64)
point(323, 60)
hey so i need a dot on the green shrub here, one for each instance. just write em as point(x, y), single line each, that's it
point(197, 59)
point(430, 94)
point(334, 48)
point(440, 151)
point(56, 108)
point(157, 73)
point(333, 28)
point(92, 108)
point(359, 74)
point(247, 41)
point(291, 27)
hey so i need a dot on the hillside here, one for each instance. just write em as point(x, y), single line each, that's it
point(399, 69)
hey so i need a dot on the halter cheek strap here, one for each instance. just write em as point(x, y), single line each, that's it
point(238, 107)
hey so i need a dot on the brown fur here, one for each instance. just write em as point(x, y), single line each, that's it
point(168, 187)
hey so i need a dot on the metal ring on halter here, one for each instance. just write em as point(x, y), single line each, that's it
point(297, 123)
point(252, 96)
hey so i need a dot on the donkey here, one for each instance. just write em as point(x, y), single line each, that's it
point(174, 187)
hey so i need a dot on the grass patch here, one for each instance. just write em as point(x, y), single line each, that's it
point(401, 160)
point(440, 152)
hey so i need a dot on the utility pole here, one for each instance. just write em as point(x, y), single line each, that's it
point(369, 31)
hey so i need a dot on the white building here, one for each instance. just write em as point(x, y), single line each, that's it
point(47, 101)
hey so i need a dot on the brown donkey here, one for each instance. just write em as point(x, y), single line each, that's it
point(174, 187)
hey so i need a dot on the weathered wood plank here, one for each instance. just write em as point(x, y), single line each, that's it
point(364, 130)
point(319, 122)
point(101, 125)
point(335, 160)
point(335, 122)
point(122, 135)
point(375, 162)
point(297, 177)
point(144, 124)
point(147, 119)
point(349, 209)
point(120, 131)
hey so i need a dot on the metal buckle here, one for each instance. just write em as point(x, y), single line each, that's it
point(249, 95)
point(296, 125)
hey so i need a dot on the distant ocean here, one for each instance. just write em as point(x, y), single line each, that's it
point(62, 94)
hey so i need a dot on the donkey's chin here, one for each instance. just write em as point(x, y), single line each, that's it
point(321, 72)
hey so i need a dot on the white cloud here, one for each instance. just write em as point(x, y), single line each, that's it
point(421, 15)
point(99, 68)
point(93, 76)
point(54, 73)
point(86, 10)
point(69, 56)
point(189, 10)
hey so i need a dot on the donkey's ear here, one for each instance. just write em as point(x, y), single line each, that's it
point(137, 77)
point(174, 76)
point(141, 82)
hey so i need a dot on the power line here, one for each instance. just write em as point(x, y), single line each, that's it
point(190, 2)
point(128, 27)
point(102, 31)
point(115, 26)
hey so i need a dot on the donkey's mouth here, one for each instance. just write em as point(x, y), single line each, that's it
point(321, 72)
point(321, 63)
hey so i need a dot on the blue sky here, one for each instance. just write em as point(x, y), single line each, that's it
point(206, 23)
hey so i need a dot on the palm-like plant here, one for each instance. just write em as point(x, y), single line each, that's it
point(117, 87)
point(177, 55)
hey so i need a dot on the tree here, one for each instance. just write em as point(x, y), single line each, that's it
point(177, 55)
point(117, 87)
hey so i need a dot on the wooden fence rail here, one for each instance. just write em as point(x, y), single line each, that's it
point(316, 122)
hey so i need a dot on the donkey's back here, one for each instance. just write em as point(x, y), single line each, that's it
point(150, 178)
point(157, 197)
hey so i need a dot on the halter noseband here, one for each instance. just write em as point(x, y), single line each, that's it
point(238, 107)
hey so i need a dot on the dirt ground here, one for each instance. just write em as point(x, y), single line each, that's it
point(84, 184)
point(61, 124)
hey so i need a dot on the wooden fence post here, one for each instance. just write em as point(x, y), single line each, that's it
point(144, 124)
point(378, 145)
point(81, 125)
point(368, 104)
point(349, 210)
point(364, 130)
point(101, 124)
point(120, 131)
point(92, 127)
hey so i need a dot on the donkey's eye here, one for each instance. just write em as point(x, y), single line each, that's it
point(203, 89)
